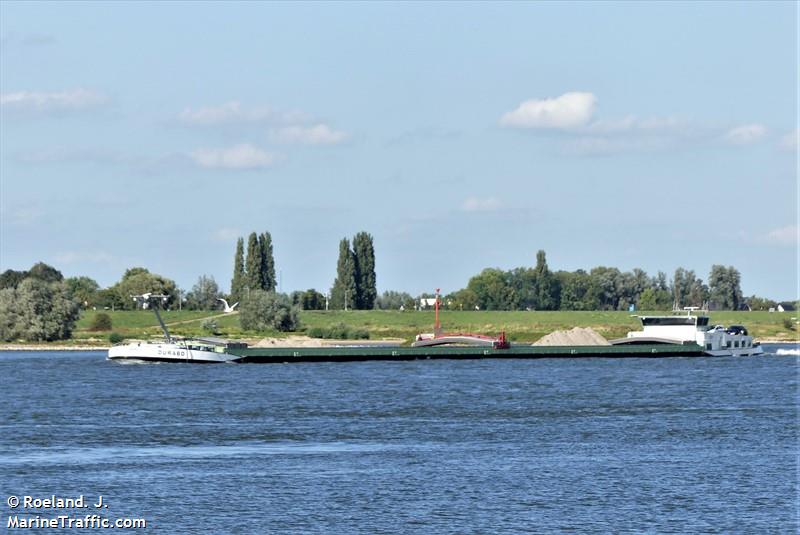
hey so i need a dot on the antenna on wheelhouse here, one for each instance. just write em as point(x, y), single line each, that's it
point(154, 301)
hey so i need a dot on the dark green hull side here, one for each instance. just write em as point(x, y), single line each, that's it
point(355, 353)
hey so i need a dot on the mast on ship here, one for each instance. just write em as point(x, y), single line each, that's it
point(154, 301)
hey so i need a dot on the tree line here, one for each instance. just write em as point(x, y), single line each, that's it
point(601, 288)
point(41, 304)
point(48, 304)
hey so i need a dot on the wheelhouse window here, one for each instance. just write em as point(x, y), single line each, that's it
point(673, 320)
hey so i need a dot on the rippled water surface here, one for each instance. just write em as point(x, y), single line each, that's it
point(653, 445)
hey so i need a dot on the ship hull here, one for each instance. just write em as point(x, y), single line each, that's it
point(743, 352)
point(148, 352)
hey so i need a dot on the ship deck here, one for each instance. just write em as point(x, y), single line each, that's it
point(365, 353)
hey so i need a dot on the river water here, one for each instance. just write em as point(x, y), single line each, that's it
point(480, 446)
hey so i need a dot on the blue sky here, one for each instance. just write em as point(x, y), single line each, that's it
point(461, 136)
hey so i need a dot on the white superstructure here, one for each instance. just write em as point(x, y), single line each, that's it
point(199, 351)
point(715, 340)
point(172, 350)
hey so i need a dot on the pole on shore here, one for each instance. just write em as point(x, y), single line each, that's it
point(437, 327)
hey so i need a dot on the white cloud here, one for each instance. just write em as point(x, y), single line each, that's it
point(74, 100)
point(787, 235)
point(474, 204)
point(244, 156)
point(285, 127)
point(791, 141)
point(601, 146)
point(745, 134)
point(229, 113)
point(234, 113)
point(570, 120)
point(631, 123)
point(226, 234)
point(634, 134)
point(319, 134)
point(569, 110)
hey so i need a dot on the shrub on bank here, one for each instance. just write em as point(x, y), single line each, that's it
point(115, 338)
point(265, 311)
point(338, 331)
point(101, 322)
point(210, 325)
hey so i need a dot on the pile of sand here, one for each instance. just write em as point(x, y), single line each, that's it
point(289, 341)
point(577, 336)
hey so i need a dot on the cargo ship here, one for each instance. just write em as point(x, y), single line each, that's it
point(663, 336)
point(715, 340)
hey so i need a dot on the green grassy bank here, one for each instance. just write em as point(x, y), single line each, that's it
point(519, 326)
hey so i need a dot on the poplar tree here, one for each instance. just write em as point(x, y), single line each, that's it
point(268, 281)
point(344, 287)
point(253, 269)
point(237, 281)
point(545, 284)
point(364, 254)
